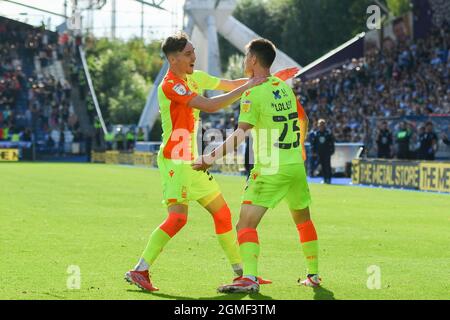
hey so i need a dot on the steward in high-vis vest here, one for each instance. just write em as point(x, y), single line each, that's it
point(109, 139)
point(15, 137)
point(5, 133)
point(140, 135)
point(403, 137)
point(130, 139)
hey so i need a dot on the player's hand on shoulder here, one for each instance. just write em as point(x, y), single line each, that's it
point(253, 82)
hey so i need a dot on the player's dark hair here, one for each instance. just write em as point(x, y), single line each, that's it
point(264, 50)
point(175, 43)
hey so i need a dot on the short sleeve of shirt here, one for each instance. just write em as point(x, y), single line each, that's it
point(301, 112)
point(249, 112)
point(178, 92)
point(205, 81)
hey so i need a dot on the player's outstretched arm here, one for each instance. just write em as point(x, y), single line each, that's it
point(287, 73)
point(231, 144)
point(216, 103)
point(229, 85)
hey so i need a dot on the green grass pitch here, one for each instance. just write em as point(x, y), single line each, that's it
point(99, 217)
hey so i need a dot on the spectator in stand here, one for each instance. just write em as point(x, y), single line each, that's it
point(62, 141)
point(445, 138)
point(428, 143)
point(323, 147)
point(415, 141)
point(27, 136)
point(409, 79)
point(34, 102)
point(312, 160)
point(384, 141)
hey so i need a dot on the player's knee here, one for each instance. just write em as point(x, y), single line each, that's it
point(222, 220)
point(180, 221)
point(301, 215)
point(174, 223)
point(248, 220)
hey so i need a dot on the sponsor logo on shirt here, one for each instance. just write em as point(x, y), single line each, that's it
point(280, 106)
point(245, 106)
point(180, 89)
point(276, 94)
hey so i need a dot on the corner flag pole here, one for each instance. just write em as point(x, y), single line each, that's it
point(91, 88)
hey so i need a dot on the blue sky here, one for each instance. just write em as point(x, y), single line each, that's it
point(157, 24)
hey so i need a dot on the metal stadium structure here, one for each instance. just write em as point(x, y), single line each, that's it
point(205, 20)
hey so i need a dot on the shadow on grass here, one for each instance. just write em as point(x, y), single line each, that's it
point(53, 295)
point(322, 293)
point(233, 296)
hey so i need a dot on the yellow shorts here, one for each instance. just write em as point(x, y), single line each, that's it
point(181, 184)
point(288, 183)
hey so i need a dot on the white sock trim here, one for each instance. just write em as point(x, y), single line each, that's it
point(142, 265)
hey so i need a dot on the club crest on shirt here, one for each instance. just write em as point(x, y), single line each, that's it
point(180, 89)
point(245, 106)
point(194, 86)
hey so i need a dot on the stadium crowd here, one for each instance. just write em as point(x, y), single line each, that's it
point(404, 80)
point(32, 101)
point(12, 79)
point(407, 78)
